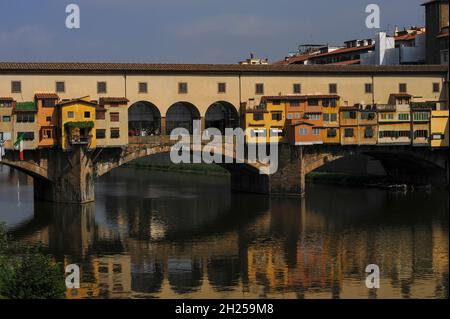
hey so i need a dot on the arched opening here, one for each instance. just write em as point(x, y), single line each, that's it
point(221, 115)
point(144, 119)
point(181, 115)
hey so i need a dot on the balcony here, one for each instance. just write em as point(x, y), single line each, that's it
point(80, 140)
point(386, 107)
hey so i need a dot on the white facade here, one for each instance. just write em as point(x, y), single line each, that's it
point(387, 54)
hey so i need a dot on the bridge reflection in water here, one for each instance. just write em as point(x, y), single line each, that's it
point(167, 235)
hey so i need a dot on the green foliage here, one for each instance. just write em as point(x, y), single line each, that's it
point(28, 275)
point(80, 124)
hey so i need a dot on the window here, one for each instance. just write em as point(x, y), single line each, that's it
point(101, 87)
point(221, 87)
point(258, 116)
point(387, 116)
point(87, 115)
point(313, 116)
point(48, 118)
point(182, 88)
point(114, 117)
point(115, 133)
point(100, 133)
point(276, 132)
point(316, 131)
point(6, 118)
point(393, 134)
point(70, 114)
point(46, 133)
point(100, 114)
point(325, 102)
point(402, 88)
point(16, 87)
point(403, 116)
point(367, 116)
point(259, 88)
point(60, 87)
point(332, 88)
point(349, 115)
point(5, 104)
point(294, 103)
point(142, 87)
point(276, 102)
point(420, 134)
point(48, 103)
point(27, 136)
point(297, 115)
point(326, 117)
point(333, 102)
point(421, 116)
point(303, 131)
point(313, 102)
point(25, 118)
point(368, 132)
point(290, 116)
point(436, 88)
point(258, 132)
point(368, 87)
point(333, 117)
point(277, 116)
point(331, 132)
point(348, 132)
point(297, 88)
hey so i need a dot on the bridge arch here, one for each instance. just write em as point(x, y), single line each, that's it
point(403, 164)
point(181, 114)
point(221, 115)
point(28, 168)
point(144, 118)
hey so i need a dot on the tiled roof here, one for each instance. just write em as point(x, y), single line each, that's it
point(65, 102)
point(122, 68)
point(442, 35)
point(348, 62)
point(120, 100)
point(406, 37)
point(46, 96)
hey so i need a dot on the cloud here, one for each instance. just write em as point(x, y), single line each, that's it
point(233, 25)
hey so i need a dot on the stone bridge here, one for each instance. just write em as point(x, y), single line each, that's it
point(69, 177)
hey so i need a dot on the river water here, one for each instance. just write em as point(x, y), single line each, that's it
point(169, 235)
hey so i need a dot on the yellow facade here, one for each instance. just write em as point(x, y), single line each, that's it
point(265, 122)
point(78, 124)
point(331, 132)
point(439, 128)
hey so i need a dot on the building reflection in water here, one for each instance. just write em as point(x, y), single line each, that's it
point(198, 240)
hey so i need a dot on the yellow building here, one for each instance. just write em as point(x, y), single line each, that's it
point(439, 128)
point(78, 123)
point(394, 120)
point(265, 122)
point(330, 110)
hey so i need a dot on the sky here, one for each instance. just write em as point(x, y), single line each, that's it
point(187, 31)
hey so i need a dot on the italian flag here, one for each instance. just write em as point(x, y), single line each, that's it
point(19, 144)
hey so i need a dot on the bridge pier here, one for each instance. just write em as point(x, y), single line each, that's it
point(72, 178)
point(290, 176)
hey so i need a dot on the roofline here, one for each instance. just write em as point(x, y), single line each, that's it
point(147, 68)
